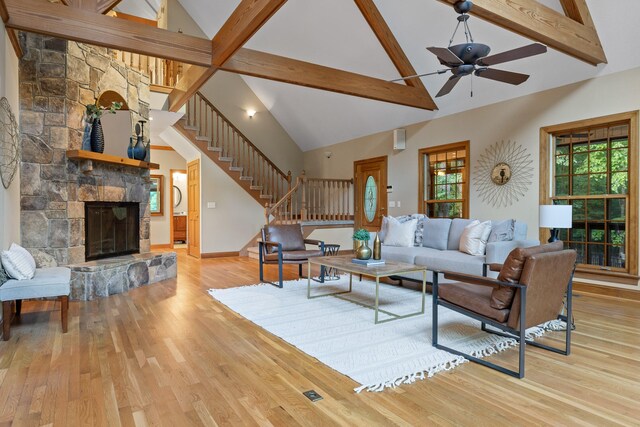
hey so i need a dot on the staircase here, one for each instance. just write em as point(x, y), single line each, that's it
point(222, 142)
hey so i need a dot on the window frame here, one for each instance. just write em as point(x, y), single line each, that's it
point(547, 191)
point(423, 153)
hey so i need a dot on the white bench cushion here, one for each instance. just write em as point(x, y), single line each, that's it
point(47, 282)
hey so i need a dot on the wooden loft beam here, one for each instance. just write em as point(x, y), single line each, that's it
point(100, 6)
point(388, 41)
point(245, 20)
point(11, 33)
point(40, 16)
point(272, 67)
point(543, 24)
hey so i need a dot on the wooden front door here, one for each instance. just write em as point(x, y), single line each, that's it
point(370, 182)
point(193, 208)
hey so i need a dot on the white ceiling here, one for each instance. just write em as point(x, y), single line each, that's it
point(334, 33)
point(143, 8)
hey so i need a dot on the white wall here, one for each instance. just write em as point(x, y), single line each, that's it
point(517, 120)
point(10, 198)
point(161, 225)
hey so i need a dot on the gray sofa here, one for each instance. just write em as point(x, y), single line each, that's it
point(451, 259)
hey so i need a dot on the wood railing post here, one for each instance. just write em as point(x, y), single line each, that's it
point(303, 203)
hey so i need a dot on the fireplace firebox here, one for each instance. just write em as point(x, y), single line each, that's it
point(111, 229)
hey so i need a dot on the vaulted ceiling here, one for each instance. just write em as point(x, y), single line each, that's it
point(335, 34)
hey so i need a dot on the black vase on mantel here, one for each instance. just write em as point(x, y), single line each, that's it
point(97, 137)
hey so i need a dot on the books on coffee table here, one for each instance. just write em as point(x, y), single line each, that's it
point(368, 262)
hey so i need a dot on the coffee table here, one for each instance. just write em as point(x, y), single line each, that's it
point(390, 268)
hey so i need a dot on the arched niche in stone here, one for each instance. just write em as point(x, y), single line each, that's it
point(117, 128)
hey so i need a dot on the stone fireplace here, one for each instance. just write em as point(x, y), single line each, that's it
point(57, 79)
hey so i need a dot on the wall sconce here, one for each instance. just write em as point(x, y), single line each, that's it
point(251, 113)
point(328, 154)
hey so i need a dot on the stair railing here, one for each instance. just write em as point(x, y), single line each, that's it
point(313, 199)
point(161, 72)
point(233, 146)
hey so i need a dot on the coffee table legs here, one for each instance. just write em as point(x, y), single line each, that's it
point(393, 315)
point(324, 295)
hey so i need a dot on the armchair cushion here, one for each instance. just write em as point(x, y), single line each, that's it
point(512, 270)
point(288, 235)
point(474, 298)
point(294, 255)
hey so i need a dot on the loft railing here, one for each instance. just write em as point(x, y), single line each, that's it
point(222, 136)
point(161, 72)
point(313, 199)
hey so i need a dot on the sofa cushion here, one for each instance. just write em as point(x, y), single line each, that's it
point(450, 261)
point(47, 282)
point(457, 227)
point(472, 297)
point(18, 262)
point(474, 238)
point(436, 233)
point(289, 235)
point(502, 231)
point(400, 234)
point(512, 270)
point(408, 255)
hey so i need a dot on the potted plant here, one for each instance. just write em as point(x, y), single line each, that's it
point(361, 242)
point(93, 127)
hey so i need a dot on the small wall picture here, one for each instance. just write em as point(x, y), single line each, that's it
point(155, 195)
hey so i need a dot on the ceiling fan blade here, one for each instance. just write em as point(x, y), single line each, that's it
point(448, 86)
point(445, 55)
point(419, 75)
point(502, 76)
point(512, 55)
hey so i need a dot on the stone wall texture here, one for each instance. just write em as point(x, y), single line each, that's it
point(57, 79)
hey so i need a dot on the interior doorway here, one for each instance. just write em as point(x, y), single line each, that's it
point(193, 208)
point(178, 199)
point(370, 183)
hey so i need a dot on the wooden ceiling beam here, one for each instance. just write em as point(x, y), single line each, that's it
point(11, 33)
point(105, 6)
point(388, 41)
point(272, 67)
point(542, 24)
point(245, 20)
point(578, 11)
point(42, 17)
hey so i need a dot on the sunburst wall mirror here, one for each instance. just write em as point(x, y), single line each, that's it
point(503, 174)
point(9, 147)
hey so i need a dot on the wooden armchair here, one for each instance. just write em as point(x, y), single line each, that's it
point(529, 291)
point(285, 244)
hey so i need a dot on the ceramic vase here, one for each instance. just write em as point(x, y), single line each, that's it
point(377, 248)
point(86, 135)
point(139, 151)
point(364, 251)
point(97, 137)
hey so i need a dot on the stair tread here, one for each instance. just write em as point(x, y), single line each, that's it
point(246, 178)
point(225, 159)
point(236, 168)
point(203, 138)
point(216, 149)
point(255, 187)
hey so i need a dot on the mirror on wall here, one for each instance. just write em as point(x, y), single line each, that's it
point(177, 196)
point(156, 196)
point(117, 128)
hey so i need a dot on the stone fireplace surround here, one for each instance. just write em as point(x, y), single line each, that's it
point(57, 79)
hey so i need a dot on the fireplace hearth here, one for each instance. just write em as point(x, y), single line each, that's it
point(111, 229)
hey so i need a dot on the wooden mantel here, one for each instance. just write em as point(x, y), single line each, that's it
point(107, 158)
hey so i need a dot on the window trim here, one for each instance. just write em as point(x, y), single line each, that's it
point(461, 145)
point(547, 190)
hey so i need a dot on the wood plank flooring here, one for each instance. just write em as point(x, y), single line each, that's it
point(169, 355)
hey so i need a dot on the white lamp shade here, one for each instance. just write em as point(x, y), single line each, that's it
point(556, 216)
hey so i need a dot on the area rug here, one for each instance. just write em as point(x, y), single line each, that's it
point(343, 335)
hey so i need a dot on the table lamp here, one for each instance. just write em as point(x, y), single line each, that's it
point(555, 217)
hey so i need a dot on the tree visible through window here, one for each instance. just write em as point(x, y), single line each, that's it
point(591, 172)
point(444, 172)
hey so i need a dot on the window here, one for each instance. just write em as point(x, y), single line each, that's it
point(443, 181)
point(592, 166)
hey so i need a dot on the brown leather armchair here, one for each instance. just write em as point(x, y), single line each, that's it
point(529, 291)
point(285, 244)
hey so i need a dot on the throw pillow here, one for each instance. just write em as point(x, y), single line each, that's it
point(3, 275)
point(18, 263)
point(511, 271)
point(436, 233)
point(455, 232)
point(383, 228)
point(402, 219)
point(474, 238)
point(502, 231)
point(400, 234)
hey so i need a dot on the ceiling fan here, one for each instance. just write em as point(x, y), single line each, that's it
point(471, 58)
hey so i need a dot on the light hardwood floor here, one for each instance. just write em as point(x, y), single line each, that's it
point(168, 354)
